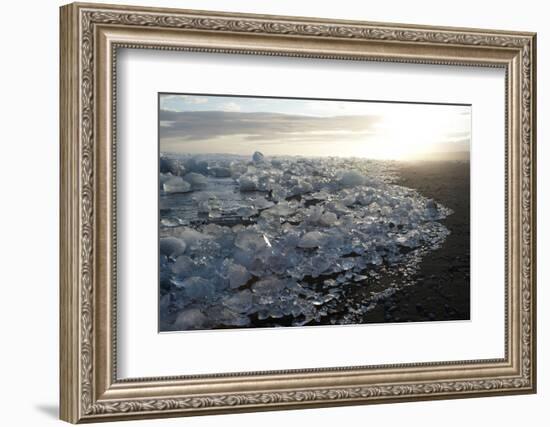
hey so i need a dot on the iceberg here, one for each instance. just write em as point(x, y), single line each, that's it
point(257, 156)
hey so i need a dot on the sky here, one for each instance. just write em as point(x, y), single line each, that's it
point(200, 124)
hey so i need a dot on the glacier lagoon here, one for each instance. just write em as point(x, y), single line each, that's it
point(261, 241)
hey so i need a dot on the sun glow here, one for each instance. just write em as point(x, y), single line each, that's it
point(417, 133)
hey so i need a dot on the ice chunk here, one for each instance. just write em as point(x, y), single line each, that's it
point(240, 302)
point(238, 275)
point(278, 192)
point(246, 211)
point(302, 187)
point(195, 164)
point(278, 263)
point(237, 168)
point(351, 178)
point(257, 156)
point(171, 166)
point(220, 283)
point(281, 209)
point(431, 206)
point(207, 203)
point(314, 213)
point(349, 199)
point(319, 265)
point(330, 282)
point(176, 185)
point(165, 301)
point(170, 222)
point(189, 236)
point(184, 266)
point(248, 183)
point(268, 285)
point(253, 241)
point(172, 246)
point(190, 319)
point(261, 203)
point(219, 171)
point(328, 219)
point(163, 177)
point(203, 195)
point(196, 180)
point(313, 239)
point(197, 288)
point(227, 317)
point(203, 207)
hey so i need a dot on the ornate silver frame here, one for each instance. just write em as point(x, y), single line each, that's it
point(90, 36)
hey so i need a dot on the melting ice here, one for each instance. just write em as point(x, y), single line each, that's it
point(286, 241)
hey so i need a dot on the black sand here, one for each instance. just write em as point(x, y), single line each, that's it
point(442, 291)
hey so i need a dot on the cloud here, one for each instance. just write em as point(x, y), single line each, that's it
point(176, 103)
point(231, 106)
point(202, 125)
point(196, 100)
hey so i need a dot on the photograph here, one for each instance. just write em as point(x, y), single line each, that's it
point(295, 212)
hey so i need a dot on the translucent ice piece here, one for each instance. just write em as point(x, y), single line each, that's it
point(240, 302)
point(250, 240)
point(172, 166)
point(196, 180)
point(198, 288)
point(257, 156)
point(313, 239)
point(269, 285)
point(176, 185)
point(219, 171)
point(190, 319)
point(238, 275)
point(248, 183)
point(352, 178)
point(328, 219)
point(184, 266)
point(172, 246)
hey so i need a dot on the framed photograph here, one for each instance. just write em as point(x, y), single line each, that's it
point(267, 212)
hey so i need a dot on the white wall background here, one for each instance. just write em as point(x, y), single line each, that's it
point(29, 170)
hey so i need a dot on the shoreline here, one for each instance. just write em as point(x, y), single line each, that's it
point(442, 291)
